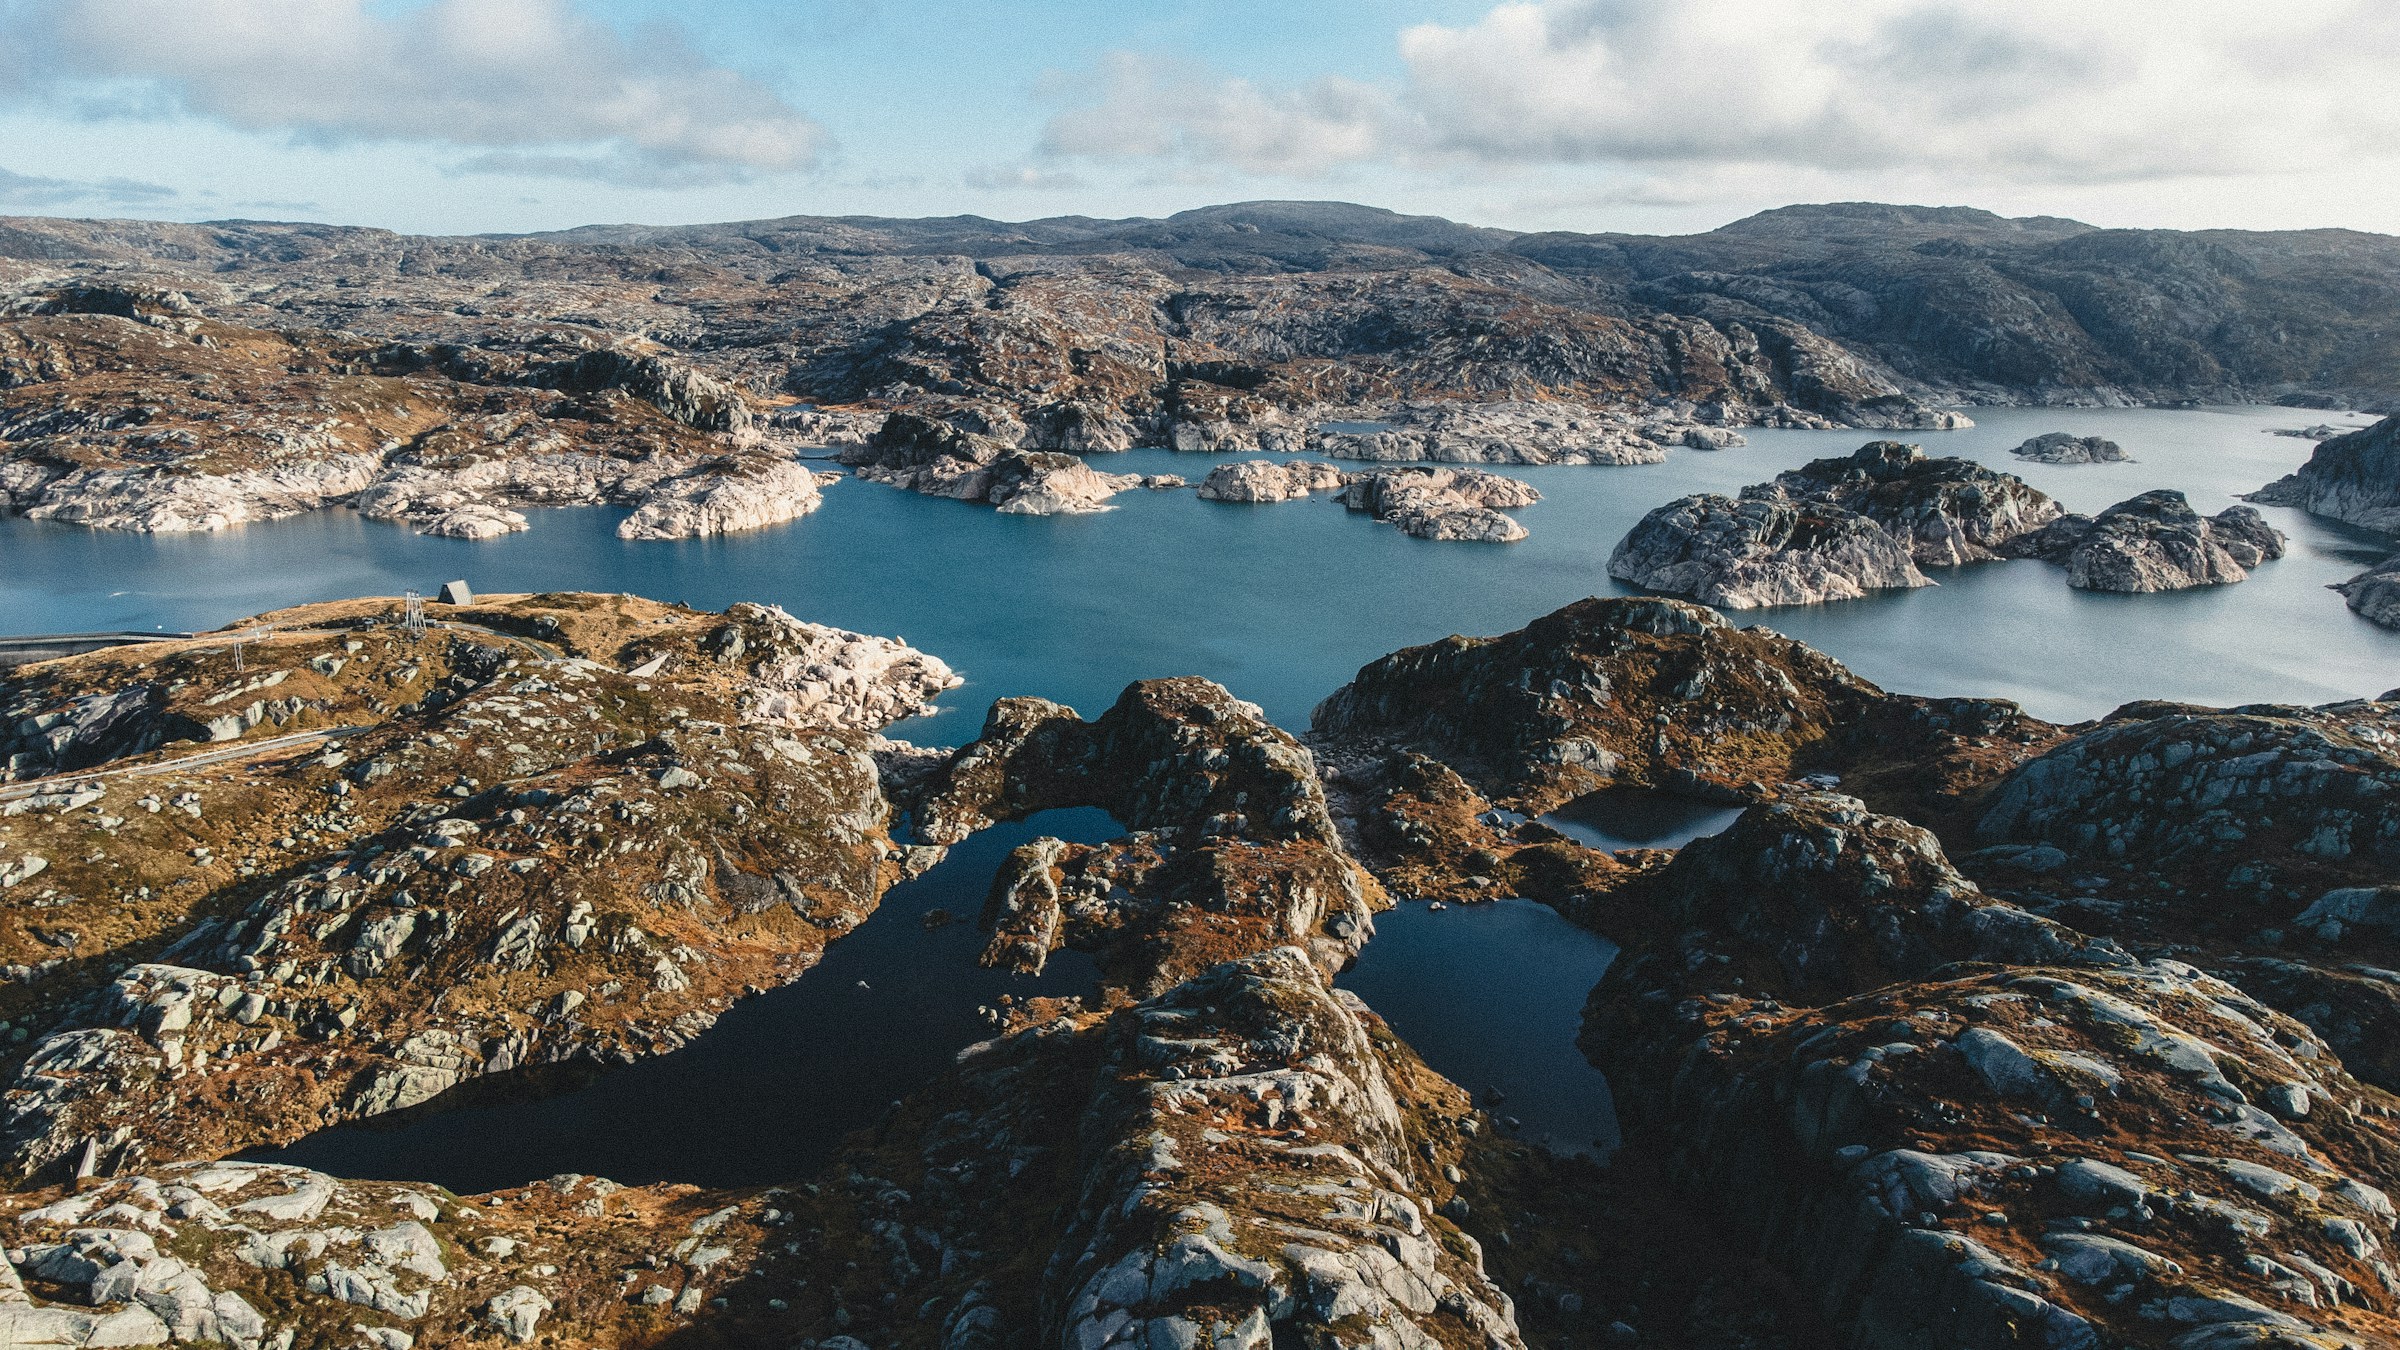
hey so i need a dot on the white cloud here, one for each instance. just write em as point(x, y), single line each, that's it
point(1999, 91)
point(38, 193)
point(520, 77)
point(1150, 107)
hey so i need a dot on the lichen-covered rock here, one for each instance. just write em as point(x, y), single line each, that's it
point(256, 1256)
point(2060, 447)
point(2155, 542)
point(1663, 694)
point(1761, 549)
point(1255, 1179)
point(1946, 511)
point(1510, 432)
point(518, 852)
point(2259, 810)
point(2040, 1156)
point(721, 500)
point(1233, 852)
point(935, 457)
point(2353, 477)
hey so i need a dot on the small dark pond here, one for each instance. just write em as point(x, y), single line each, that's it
point(1492, 995)
point(767, 1094)
point(1632, 818)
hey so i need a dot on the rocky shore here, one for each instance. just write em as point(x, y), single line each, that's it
point(1427, 502)
point(2353, 478)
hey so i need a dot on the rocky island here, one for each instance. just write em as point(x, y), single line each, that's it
point(1835, 529)
point(2027, 1035)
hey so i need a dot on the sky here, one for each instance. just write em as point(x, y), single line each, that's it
point(1653, 116)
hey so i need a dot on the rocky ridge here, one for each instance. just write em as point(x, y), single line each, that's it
point(2113, 1076)
point(2012, 1101)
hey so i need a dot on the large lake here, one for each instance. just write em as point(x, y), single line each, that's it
point(1283, 603)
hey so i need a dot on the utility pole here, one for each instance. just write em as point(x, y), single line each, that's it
point(412, 616)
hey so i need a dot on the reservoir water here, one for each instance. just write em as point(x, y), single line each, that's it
point(1284, 602)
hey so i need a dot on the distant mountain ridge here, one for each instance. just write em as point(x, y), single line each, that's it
point(1940, 303)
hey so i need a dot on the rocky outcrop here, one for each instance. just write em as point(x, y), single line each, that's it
point(1232, 852)
point(2375, 593)
point(1268, 480)
point(1833, 529)
point(2354, 477)
point(1666, 695)
point(1432, 503)
point(721, 500)
point(1761, 550)
point(2155, 542)
point(939, 459)
point(1946, 511)
point(2258, 811)
point(680, 807)
point(2060, 447)
point(2061, 1156)
point(1253, 1081)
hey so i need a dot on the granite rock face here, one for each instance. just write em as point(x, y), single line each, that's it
point(1947, 511)
point(698, 504)
point(1509, 432)
point(940, 459)
point(2059, 447)
point(2353, 477)
point(139, 416)
point(1442, 503)
point(1267, 480)
point(2155, 542)
point(1761, 549)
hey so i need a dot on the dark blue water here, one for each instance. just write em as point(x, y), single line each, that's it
point(1632, 818)
point(769, 1092)
point(1491, 994)
point(1284, 602)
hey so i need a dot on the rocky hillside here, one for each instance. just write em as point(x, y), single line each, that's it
point(1972, 1032)
point(321, 360)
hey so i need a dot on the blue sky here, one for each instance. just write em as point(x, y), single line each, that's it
point(1647, 115)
